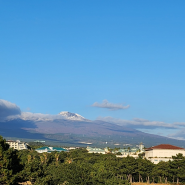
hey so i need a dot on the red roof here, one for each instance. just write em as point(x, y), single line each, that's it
point(165, 146)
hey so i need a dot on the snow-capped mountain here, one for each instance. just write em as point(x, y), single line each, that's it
point(48, 117)
point(72, 116)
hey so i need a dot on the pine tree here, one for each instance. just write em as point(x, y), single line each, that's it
point(9, 164)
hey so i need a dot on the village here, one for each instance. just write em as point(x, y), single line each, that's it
point(155, 154)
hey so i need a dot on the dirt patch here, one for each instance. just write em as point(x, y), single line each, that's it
point(140, 183)
point(26, 183)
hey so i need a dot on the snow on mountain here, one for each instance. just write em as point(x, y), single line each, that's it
point(72, 116)
point(48, 117)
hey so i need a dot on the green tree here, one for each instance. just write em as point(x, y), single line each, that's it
point(9, 164)
point(177, 167)
point(161, 170)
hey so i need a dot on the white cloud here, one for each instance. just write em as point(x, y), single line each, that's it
point(39, 116)
point(8, 109)
point(178, 135)
point(138, 123)
point(180, 123)
point(110, 106)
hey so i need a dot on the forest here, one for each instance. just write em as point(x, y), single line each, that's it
point(80, 167)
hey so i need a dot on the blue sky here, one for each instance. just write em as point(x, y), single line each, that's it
point(67, 55)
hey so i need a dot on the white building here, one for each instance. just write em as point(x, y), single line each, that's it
point(95, 150)
point(163, 152)
point(18, 145)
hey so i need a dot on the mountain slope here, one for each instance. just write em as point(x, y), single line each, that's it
point(73, 128)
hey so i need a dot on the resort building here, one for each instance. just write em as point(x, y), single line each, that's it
point(95, 150)
point(133, 152)
point(18, 145)
point(163, 152)
point(50, 149)
point(124, 151)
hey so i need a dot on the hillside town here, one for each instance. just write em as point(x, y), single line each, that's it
point(155, 154)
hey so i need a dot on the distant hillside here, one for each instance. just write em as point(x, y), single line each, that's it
point(75, 132)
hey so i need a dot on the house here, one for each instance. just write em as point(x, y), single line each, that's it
point(162, 152)
point(95, 150)
point(18, 145)
point(128, 152)
point(124, 151)
point(71, 148)
point(134, 150)
point(50, 149)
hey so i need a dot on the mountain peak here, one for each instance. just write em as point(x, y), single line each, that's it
point(71, 116)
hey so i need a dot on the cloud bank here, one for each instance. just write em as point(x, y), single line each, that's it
point(110, 106)
point(8, 109)
point(138, 123)
point(180, 134)
point(40, 116)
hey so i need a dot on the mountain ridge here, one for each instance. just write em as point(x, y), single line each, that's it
point(72, 116)
point(74, 128)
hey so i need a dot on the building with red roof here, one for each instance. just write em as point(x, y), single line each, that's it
point(162, 152)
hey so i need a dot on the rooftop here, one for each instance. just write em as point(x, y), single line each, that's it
point(165, 146)
point(51, 148)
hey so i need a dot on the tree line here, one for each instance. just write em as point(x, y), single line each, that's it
point(80, 167)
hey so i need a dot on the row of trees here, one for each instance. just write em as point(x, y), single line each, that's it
point(80, 167)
